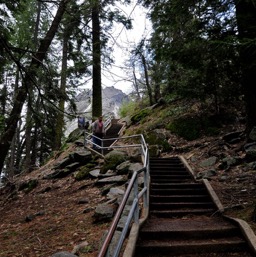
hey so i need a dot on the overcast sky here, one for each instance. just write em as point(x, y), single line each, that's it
point(125, 42)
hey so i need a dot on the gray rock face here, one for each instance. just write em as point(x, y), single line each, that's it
point(208, 162)
point(95, 173)
point(120, 179)
point(112, 99)
point(81, 157)
point(252, 135)
point(135, 167)
point(63, 163)
point(123, 168)
point(70, 164)
point(206, 174)
point(104, 212)
point(79, 247)
point(115, 192)
point(250, 150)
point(116, 155)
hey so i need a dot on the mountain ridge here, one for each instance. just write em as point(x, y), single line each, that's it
point(112, 100)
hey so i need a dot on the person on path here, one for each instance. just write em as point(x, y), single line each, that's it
point(98, 132)
point(81, 122)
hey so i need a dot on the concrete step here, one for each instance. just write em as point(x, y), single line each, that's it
point(181, 185)
point(180, 205)
point(171, 160)
point(177, 191)
point(179, 198)
point(197, 227)
point(172, 247)
point(182, 212)
point(161, 172)
point(167, 166)
point(166, 178)
point(183, 218)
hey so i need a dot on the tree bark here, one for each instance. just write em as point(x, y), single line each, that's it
point(146, 78)
point(60, 115)
point(157, 93)
point(29, 115)
point(11, 123)
point(135, 83)
point(10, 167)
point(96, 55)
point(246, 21)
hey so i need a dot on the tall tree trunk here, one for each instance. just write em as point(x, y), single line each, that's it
point(96, 55)
point(3, 101)
point(20, 99)
point(157, 93)
point(29, 115)
point(135, 83)
point(60, 115)
point(35, 141)
point(10, 166)
point(29, 124)
point(246, 21)
point(15, 158)
point(146, 78)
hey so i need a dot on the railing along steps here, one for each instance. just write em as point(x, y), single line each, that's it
point(183, 219)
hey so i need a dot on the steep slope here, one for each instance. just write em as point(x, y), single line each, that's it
point(57, 214)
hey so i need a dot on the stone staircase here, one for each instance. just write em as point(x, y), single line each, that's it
point(183, 218)
point(112, 132)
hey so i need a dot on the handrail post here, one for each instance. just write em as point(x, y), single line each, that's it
point(136, 196)
point(134, 214)
point(101, 144)
point(147, 178)
point(145, 196)
point(142, 150)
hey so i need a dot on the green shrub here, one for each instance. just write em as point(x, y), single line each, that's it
point(127, 109)
point(186, 127)
point(86, 249)
point(153, 138)
point(211, 126)
point(191, 128)
point(140, 115)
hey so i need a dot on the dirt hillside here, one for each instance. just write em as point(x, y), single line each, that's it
point(57, 215)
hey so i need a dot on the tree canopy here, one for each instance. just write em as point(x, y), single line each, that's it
point(204, 50)
point(48, 50)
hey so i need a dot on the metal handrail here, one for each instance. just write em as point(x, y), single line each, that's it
point(133, 184)
point(108, 122)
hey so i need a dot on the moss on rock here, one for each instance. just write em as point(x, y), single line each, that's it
point(113, 159)
point(82, 174)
